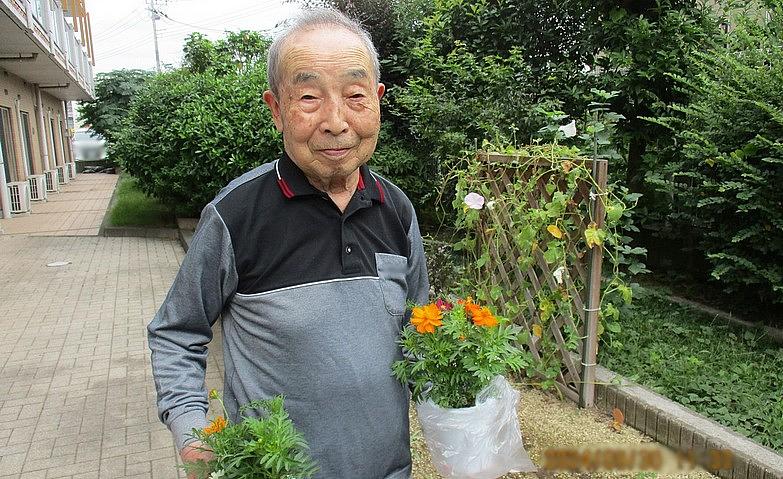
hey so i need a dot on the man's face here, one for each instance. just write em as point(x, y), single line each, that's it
point(328, 106)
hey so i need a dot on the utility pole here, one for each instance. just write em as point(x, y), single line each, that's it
point(155, 17)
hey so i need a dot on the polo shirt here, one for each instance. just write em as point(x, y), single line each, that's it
point(312, 301)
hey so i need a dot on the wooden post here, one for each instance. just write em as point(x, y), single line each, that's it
point(90, 50)
point(595, 255)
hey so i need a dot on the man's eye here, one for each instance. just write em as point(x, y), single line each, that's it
point(357, 96)
point(308, 97)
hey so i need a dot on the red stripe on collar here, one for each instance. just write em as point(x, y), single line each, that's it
point(285, 188)
point(380, 190)
point(360, 187)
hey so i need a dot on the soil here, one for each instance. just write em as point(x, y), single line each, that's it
point(548, 422)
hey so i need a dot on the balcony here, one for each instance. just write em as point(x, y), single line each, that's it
point(38, 45)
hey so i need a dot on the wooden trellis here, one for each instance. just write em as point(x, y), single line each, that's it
point(582, 278)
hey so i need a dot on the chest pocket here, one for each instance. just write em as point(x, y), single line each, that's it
point(392, 269)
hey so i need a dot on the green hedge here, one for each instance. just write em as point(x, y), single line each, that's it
point(723, 187)
point(188, 134)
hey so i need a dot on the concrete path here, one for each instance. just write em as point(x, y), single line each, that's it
point(77, 399)
point(77, 210)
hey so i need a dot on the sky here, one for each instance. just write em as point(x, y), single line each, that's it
point(122, 29)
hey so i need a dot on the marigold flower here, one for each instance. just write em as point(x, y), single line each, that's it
point(484, 317)
point(471, 308)
point(215, 426)
point(426, 318)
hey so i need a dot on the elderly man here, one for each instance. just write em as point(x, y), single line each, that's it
point(309, 261)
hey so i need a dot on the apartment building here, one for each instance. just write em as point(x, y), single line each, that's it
point(46, 61)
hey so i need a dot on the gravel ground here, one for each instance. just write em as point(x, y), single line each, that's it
point(548, 422)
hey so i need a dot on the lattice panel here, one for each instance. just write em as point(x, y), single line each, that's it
point(523, 272)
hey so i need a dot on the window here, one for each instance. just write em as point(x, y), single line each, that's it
point(27, 144)
point(57, 27)
point(38, 11)
point(7, 145)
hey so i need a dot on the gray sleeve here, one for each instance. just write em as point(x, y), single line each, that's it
point(417, 279)
point(180, 331)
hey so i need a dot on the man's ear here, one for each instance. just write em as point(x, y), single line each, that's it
point(274, 107)
point(381, 90)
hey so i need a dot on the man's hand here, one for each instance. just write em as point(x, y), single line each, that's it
point(195, 452)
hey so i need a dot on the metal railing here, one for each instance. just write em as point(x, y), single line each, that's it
point(47, 18)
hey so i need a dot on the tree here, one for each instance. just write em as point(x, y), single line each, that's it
point(723, 178)
point(377, 16)
point(192, 130)
point(113, 94)
point(641, 47)
point(238, 52)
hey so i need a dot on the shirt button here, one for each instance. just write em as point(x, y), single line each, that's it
point(348, 250)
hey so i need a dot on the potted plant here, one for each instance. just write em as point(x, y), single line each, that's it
point(264, 447)
point(456, 357)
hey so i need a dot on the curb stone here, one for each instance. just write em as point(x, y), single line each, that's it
point(140, 232)
point(676, 426)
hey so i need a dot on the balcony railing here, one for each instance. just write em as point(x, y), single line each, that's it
point(46, 19)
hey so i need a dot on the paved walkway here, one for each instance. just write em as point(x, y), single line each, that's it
point(77, 210)
point(77, 399)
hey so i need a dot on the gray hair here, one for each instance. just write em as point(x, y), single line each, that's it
point(309, 19)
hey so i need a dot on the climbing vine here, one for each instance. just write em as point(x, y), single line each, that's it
point(527, 224)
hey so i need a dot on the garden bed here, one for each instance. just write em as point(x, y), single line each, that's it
point(548, 422)
point(132, 207)
point(728, 373)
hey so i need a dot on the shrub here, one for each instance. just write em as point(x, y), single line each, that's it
point(188, 134)
point(405, 168)
point(725, 178)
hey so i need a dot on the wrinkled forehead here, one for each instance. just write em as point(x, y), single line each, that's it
point(328, 50)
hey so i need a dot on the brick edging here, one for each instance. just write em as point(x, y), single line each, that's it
point(682, 429)
point(140, 232)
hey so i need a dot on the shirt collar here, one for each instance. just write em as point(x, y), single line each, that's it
point(293, 182)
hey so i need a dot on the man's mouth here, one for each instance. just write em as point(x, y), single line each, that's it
point(334, 152)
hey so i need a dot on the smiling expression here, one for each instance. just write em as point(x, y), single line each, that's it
point(328, 106)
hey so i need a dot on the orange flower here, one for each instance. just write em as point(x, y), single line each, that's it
point(484, 317)
point(215, 426)
point(471, 308)
point(426, 318)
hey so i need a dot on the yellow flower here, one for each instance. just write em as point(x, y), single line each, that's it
point(537, 330)
point(215, 426)
point(426, 318)
point(484, 317)
point(214, 394)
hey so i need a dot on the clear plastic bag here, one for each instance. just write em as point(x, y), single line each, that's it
point(479, 442)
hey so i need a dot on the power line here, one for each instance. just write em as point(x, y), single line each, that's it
point(188, 24)
point(107, 35)
point(131, 20)
point(212, 22)
point(123, 20)
point(124, 49)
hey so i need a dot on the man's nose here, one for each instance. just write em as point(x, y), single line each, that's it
point(333, 121)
